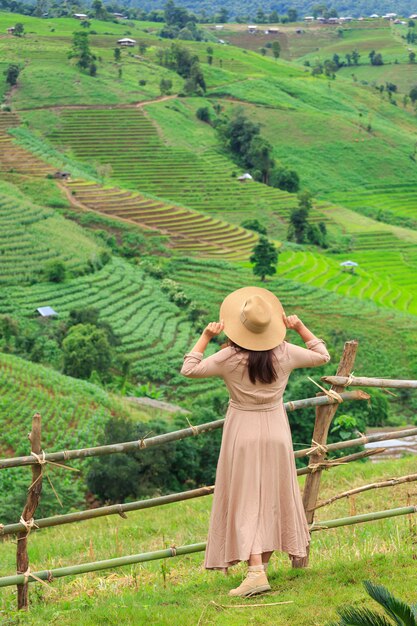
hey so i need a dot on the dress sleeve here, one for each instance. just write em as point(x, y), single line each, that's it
point(314, 354)
point(195, 366)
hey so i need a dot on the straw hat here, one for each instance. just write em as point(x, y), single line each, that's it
point(253, 318)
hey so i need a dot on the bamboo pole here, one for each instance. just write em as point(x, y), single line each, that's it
point(176, 435)
point(389, 482)
point(339, 445)
point(324, 416)
point(122, 509)
point(326, 464)
point(96, 566)
point(364, 517)
point(34, 493)
point(363, 381)
point(72, 570)
point(114, 509)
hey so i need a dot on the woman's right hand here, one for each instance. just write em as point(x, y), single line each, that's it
point(293, 322)
point(213, 329)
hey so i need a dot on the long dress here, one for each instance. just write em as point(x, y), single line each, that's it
point(257, 505)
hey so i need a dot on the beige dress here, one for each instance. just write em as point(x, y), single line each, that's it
point(257, 505)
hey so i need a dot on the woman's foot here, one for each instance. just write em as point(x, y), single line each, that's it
point(255, 582)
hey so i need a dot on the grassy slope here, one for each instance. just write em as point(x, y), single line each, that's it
point(176, 591)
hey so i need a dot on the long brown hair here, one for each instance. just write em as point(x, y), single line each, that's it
point(260, 364)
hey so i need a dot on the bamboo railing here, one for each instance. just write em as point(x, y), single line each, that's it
point(325, 403)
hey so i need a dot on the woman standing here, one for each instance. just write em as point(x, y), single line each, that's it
point(257, 506)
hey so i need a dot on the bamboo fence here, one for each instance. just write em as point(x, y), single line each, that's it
point(326, 403)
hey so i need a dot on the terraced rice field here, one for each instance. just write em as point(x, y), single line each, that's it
point(13, 158)
point(189, 230)
point(74, 411)
point(334, 316)
point(154, 333)
point(31, 236)
point(400, 199)
point(130, 143)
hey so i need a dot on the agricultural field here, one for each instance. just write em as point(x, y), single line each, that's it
point(178, 590)
point(32, 236)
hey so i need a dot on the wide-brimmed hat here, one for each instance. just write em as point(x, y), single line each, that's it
point(253, 318)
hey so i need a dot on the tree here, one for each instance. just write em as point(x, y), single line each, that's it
point(292, 15)
point(203, 114)
point(276, 50)
point(100, 11)
point(413, 94)
point(86, 348)
point(259, 156)
point(355, 57)
point(209, 51)
point(165, 86)
point(12, 73)
point(55, 271)
point(412, 57)
point(254, 224)
point(18, 29)
point(298, 219)
point(117, 54)
point(264, 258)
point(262, 51)
point(81, 50)
point(285, 179)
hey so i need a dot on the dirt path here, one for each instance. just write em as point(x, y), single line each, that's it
point(133, 105)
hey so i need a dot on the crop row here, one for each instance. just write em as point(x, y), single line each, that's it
point(189, 229)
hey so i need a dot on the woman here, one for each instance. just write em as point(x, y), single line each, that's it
point(257, 506)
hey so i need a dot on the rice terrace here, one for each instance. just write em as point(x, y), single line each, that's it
point(154, 158)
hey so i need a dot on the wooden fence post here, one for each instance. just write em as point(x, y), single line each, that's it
point(34, 493)
point(324, 416)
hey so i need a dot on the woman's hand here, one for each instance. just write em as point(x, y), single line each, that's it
point(293, 322)
point(213, 328)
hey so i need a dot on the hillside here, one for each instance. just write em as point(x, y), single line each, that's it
point(178, 590)
point(138, 248)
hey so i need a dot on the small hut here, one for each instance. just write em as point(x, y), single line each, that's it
point(127, 42)
point(245, 177)
point(46, 311)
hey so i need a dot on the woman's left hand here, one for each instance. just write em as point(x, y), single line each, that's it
point(213, 328)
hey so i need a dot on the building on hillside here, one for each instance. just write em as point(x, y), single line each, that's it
point(80, 16)
point(309, 18)
point(252, 29)
point(10, 30)
point(374, 15)
point(127, 42)
point(413, 17)
point(245, 177)
point(219, 26)
point(272, 31)
point(333, 20)
point(120, 16)
point(46, 311)
point(62, 175)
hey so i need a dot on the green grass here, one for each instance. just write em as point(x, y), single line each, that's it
point(31, 236)
point(178, 590)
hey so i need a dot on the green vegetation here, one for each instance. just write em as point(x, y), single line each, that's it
point(138, 593)
point(136, 251)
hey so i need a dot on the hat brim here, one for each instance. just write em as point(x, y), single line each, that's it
point(234, 329)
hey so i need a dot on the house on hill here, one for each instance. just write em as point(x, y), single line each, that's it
point(46, 311)
point(272, 31)
point(252, 29)
point(245, 177)
point(127, 42)
point(10, 30)
point(62, 175)
point(80, 16)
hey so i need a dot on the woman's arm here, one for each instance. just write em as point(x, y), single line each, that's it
point(316, 352)
point(194, 365)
